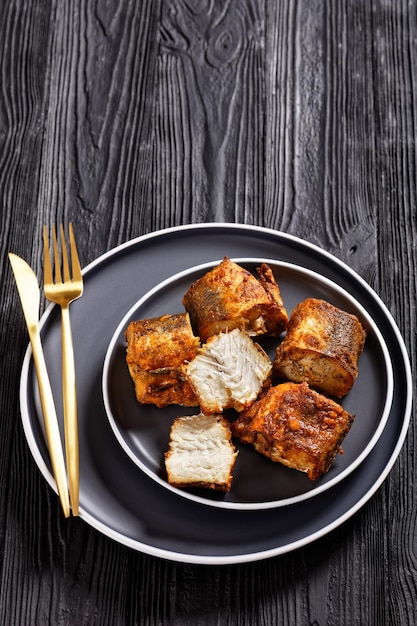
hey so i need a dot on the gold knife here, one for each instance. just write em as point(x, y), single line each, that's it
point(28, 288)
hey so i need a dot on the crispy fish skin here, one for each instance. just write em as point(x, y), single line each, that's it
point(322, 347)
point(296, 426)
point(156, 350)
point(201, 452)
point(229, 296)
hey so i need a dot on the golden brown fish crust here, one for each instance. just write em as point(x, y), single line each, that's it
point(156, 350)
point(296, 426)
point(322, 347)
point(229, 296)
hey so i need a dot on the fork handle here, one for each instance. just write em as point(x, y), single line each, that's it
point(70, 410)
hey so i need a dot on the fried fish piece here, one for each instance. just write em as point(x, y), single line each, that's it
point(201, 452)
point(156, 350)
point(296, 426)
point(322, 347)
point(228, 371)
point(229, 296)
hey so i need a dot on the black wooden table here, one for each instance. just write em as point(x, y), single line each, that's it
point(129, 117)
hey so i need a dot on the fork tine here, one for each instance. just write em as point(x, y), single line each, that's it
point(47, 266)
point(65, 265)
point(57, 262)
point(76, 268)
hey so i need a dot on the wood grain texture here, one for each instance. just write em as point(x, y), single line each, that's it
point(133, 116)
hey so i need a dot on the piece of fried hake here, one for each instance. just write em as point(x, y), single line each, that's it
point(201, 452)
point(322, 347)
point(296, 426)
point(228, 372)
point(157, 348)
point(229, 296)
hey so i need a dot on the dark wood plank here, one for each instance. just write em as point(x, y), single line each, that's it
point(132, 116)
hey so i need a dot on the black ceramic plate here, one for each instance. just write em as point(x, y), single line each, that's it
point(143, 431)
point(120, 500)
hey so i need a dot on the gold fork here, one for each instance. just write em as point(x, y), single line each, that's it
point(63, 292)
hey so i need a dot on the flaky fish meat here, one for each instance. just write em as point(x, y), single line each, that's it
point(201, 453)
point(228, 371)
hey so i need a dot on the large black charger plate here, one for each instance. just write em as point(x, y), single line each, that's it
point(125, 504)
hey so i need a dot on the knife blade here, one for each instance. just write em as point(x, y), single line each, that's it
point(29, 293)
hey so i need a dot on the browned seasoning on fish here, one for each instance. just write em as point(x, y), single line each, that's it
point(296, 426)
point(157, 348)
point(229, 296)
point(322, 347)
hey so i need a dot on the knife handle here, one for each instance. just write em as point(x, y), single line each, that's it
point(53, 435)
